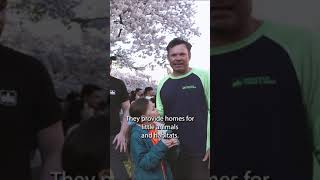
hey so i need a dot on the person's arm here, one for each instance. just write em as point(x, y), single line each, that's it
point(120, 138)
point(205, 80)
point(310, 84)
point(47, 124)
point(314, 94)
point(146, 158)
point(304, 50)
point(46, 120)
point(207, 92)
point(50, 141)
point(173, 153)
point(159, 104)
point(124, 123)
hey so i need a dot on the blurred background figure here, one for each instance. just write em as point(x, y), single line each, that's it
point(85, 107)
point(119, 102)
point(85, 150)
point(30, 113)
point(148, 93)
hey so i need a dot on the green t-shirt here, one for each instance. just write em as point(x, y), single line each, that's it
point(268, 73)
point(188, 95)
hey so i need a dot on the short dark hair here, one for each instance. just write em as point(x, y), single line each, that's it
point(178, 41)
point(139, 108)
point(88, 89)
point(147, 89)
point(113, 58)
point(138, 89)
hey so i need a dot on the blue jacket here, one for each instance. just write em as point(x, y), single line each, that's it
point(147, 157)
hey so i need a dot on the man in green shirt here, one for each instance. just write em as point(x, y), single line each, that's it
point(266, 84)
point(185, 94)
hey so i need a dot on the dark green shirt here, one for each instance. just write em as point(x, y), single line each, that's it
point(267, 104)
point(188, 95)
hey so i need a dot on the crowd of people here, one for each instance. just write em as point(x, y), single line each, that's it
point(79, 107)
point(147, 93)
point(84, 122)
point(71, 136)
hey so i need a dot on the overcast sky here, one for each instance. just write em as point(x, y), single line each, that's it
point(201, 45)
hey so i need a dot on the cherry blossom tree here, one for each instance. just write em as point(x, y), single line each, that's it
point(88, 14)
point(70, 45)
point(139, 28)
point(134, 80)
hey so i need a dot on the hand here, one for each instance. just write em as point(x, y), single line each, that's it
point(170, 142)
point(121, 141)
point(207, 157)
point(175, 141)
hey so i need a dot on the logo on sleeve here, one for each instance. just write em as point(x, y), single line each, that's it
point(8, 97)
point(113, 92)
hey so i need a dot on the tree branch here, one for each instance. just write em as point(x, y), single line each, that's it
point(88, 20)
point(92, 22)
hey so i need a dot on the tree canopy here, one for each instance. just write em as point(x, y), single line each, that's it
point(88, 14)
point(139, 29)
point(66, 36)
